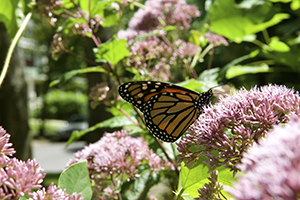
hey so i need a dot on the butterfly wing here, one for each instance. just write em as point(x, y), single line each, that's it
point(168, 109)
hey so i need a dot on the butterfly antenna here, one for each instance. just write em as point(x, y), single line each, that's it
point(220, 86)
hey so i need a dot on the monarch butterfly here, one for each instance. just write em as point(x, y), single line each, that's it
point(168, 109)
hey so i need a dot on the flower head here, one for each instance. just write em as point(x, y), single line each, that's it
point(17, 178)
point(212, 189)
point(154, 56)
point(23, 176)
point(169, 12)
point(98, 93)
point(215, 39)
point(54, 192)
point(272, 168)
point(117, 156)
point(237, 122)
point(58, 46)
point(151, 49)
point(48, 7)
point(5, 149)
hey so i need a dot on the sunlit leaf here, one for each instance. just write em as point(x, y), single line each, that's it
point(295, 5)
point(76, 179)
point(112, 51)
point(235, 62)
point(105, 9)
point(238, 20)
point(238, 70)
point(250, 29)
point(8, 16)
point(114, 122)
point(195, 38)
point(277, 45)
point(192, 179)
point(70, 74)
point(228, 20)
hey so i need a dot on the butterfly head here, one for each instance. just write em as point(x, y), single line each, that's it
point(205, 97)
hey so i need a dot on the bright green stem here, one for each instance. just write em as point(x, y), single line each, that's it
point(12, 47)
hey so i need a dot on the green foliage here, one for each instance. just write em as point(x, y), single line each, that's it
point(61, 105)
point(114, 122)
point(70, 74)
point(8, 15)
point(247, 18)
point(103, 8)
point(112, 51)
point(76, 179)
point(193, 178)
point(9, 12)
point(238, 70)
point(141, 186)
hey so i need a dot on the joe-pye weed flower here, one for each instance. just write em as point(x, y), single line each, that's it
point(237, 122)
point(19, 178)
point(115, 159)
point(272, 168)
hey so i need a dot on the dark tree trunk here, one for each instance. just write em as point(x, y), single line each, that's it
point(13, 100)
point(98, 114)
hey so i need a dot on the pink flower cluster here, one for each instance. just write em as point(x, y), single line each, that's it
point(116, 158)
point(170, 12)
point(216, 40)
point(19, 178)
point(272, 168)
point(54, 192)
point(153, 57)
point(236, 123)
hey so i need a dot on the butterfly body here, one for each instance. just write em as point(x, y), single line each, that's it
point(168, 109)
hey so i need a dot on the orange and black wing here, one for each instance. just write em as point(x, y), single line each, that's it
point(168, 109)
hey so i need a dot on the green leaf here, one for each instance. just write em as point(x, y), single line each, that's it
point(247, 38)
point(227, 20)
point(106, 9)
point(114, 122)
point(76, 179)
point(238, 70)
point(70, 74)
point(223, 71)
point(295, 5)
point(191, 180)
point(143, 184)
point(277, 45)
point(192, 84)
point(112, 51)
point(277, 18)
point(24, 197)
point(209, 76)
point(238, 20)
point(289, 58)
point(195, 37)
point(8, 16)
point(283, 1)
point(133, 70)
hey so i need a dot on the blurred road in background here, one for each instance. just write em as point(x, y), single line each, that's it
point(53, 156)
